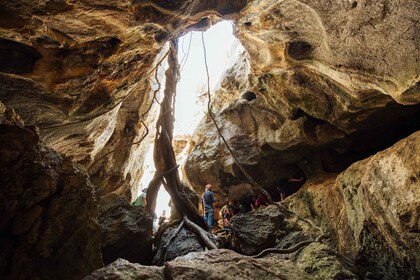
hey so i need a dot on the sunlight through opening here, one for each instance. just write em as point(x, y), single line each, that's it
point(191, 99)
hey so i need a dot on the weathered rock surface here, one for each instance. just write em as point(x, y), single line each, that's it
point(381, 210)
point(324, 75)
point(214, 264)
point(79, 71)
point(123, 270)
point(185, 242)
point(48, 227)
point(334, 81)
point(273, 227)
point(126, 230)
point(372, 209)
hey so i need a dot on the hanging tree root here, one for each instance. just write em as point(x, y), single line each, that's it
point(161, 230)
point(209, 108)
point(291, 249)
point(202, 234)
point(153, 188)
point(164, 156)
point(178, 229)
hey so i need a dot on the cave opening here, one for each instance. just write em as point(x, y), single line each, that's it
point(191, 99)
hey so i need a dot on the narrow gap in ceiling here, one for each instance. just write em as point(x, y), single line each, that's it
point(191, 98)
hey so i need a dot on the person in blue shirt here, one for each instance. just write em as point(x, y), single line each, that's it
point(208, 205)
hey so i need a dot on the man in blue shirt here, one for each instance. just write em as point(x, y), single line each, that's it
point(208, 205)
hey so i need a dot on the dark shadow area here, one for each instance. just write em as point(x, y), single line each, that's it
point(249, 96)
point(367, 142)
point(299, 50)
point(17, 58)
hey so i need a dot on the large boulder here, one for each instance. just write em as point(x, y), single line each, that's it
point(126, 230)
point(48, 226)
point(371, 211)
point(184, 242)
point(213, 264)
point(257, 230)
point(124, 270)
point(381, 211)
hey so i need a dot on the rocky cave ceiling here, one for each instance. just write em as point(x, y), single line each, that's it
point(331, 83)
point(325, 75)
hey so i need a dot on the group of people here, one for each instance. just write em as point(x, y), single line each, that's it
point(229, 210)
point(232, 208)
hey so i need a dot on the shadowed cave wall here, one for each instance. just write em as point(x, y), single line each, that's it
point(333, 84)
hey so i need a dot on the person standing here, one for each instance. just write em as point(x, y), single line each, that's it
point(208, 205)
point(141, 200)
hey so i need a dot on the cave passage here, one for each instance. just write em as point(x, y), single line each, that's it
point(191, 101)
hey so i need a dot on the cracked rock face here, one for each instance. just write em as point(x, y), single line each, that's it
point(321, 73)
point(372, 209)
point(320, 85)
point(48, 224)
point(214, 264)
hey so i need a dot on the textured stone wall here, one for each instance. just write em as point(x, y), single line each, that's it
point(48, 227)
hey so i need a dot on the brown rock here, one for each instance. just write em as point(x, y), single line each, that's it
point(381, 199)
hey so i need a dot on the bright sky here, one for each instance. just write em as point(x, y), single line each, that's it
point(220, 45)
point(219, 41)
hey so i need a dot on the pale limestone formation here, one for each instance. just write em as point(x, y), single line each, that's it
point(382, 209)
point(334, 81)
point(321, 73)
point(372, 209)
point(214, 264)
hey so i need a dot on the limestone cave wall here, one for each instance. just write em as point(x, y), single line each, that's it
point(320, 85)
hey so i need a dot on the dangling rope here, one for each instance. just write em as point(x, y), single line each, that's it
point(299, 245)
point(209, 108)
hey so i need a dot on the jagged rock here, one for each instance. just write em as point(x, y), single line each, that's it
point(320, 261)
point(48, 224)
point(9, 116)
point(214, 264)
point(124, 270)
point(184, 243)
point(226, 264)
point(126, 230)
point(257, 230)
